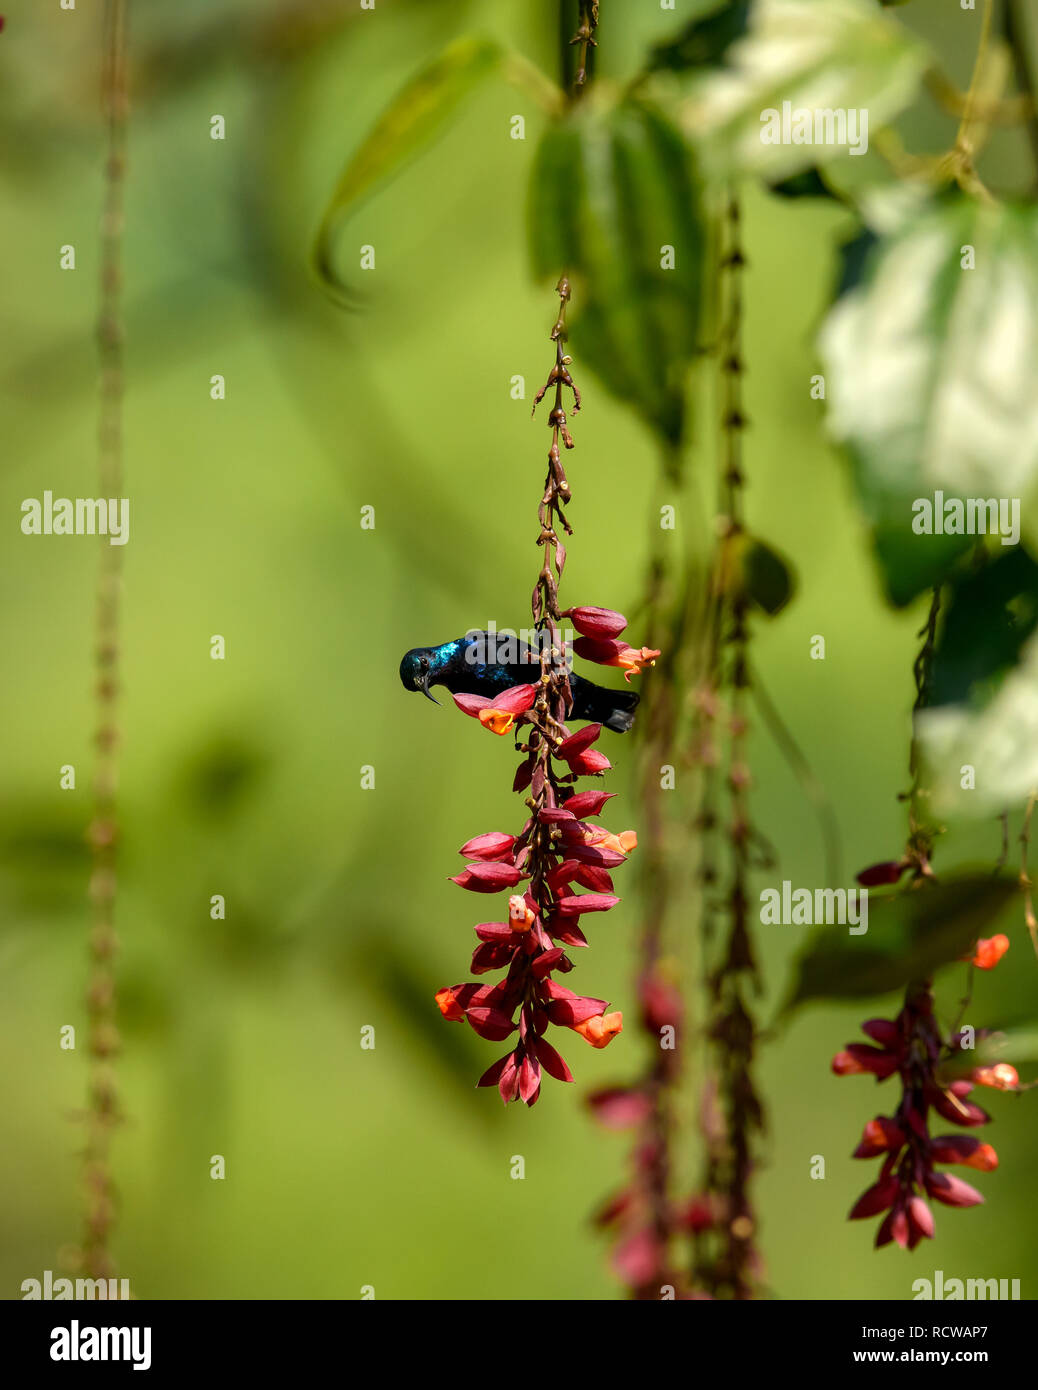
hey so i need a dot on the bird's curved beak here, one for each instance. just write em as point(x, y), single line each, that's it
point(423, 686)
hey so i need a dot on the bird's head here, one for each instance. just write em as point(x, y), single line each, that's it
point(415, 670)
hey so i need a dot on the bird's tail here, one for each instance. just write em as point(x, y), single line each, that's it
point(613, 708)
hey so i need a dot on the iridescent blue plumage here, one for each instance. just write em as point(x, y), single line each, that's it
point(471, 665)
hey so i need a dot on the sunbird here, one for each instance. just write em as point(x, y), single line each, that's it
point(464, 668)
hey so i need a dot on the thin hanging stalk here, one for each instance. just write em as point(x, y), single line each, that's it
point(730, 1266)
point(103, 1038)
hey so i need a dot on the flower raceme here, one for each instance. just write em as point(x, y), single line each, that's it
point(556, 871)
point(531, 944)
point(910, 1046)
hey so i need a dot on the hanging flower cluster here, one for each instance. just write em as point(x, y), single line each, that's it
point(556, 870)
point(910, 1046)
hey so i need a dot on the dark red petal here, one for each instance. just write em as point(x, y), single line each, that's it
point(471, 704)
point(515, 700)
point(491, 1024)
point(585, 902)
point(493, 1073)
point(587, 803)
point(552, 1062)
point(492, 955)
point(602, 650)
point(567, 931)
point(882, 1030)
point(523, 775)
point(546, 961)
point(566, 1008)
point(578, 742)
point(874, 1199)
point(529, 1079)
point(495, 931)
point(589, 764)
point(878, 874)
point(487, 878)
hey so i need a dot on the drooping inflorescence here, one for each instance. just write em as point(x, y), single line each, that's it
point(558, 868)
point(910, 1046)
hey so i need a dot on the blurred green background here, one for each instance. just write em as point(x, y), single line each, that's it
point(345, 1167)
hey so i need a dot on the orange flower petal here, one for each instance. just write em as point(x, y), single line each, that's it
point(601, 1029)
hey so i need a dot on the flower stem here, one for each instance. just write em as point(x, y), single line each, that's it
point(103, 1038)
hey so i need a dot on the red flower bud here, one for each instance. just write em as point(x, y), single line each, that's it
point(858, 1058)
point(876, 875)
point(598, 622)
point(952, 1191)
point(487, 878)
point(493, 845)
point(585, 902)
point(964, 1149)
point(882, 1030)
point(587, 803)
point(881, 1135)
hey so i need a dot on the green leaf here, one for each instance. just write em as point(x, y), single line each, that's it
point(911, 935)
point(705, 39)
point(823, 56)
point(612, 186)
point(767, 578)
point(412, 121)
point(932, 378)
point(989, 615)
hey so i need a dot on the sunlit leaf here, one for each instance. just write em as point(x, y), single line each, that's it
point(820, 56)
point(932, 377)
point(998, 743)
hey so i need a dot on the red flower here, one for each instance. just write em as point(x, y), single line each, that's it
point(1003, 1077)
point(499, 714)
point(989, 951)
point(632, 660)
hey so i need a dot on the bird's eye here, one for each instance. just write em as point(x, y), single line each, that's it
point(423, 663)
